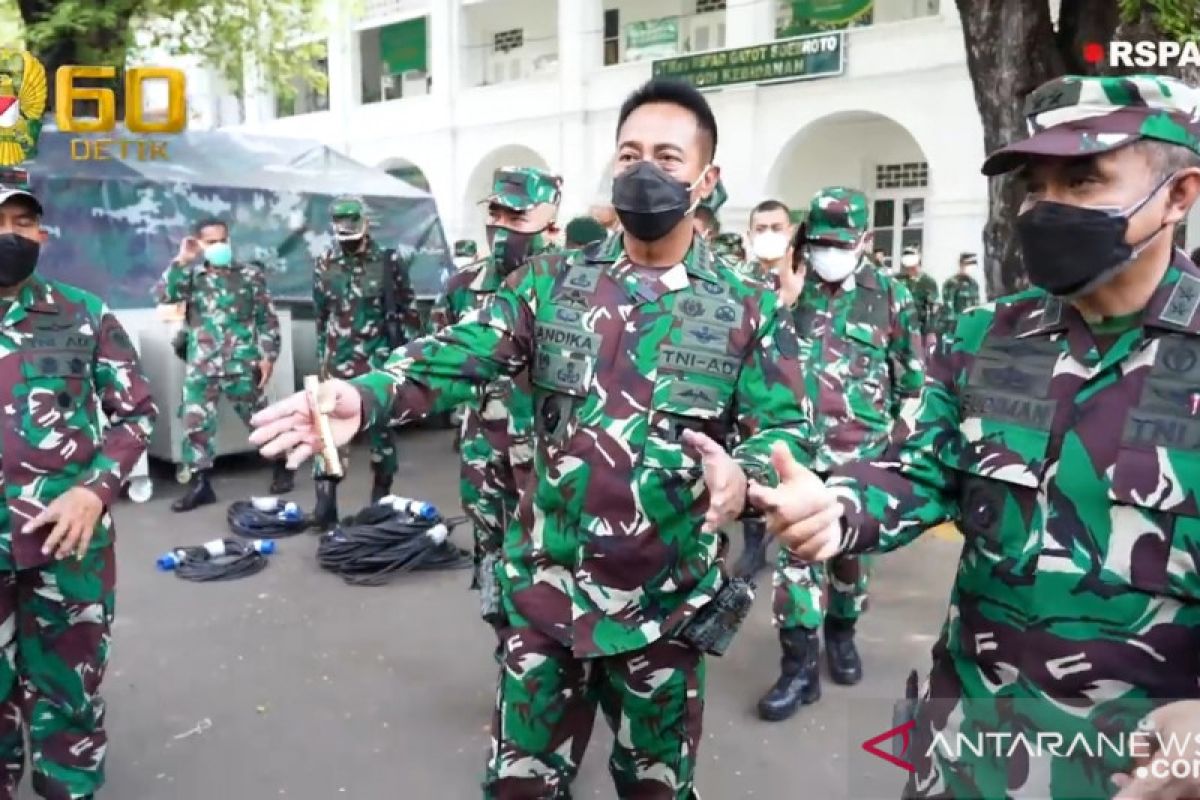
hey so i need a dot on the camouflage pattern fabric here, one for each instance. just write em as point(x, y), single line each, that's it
point(753, 270)
point(199, 411)
point(609, 557)
point(466, 248)
point(232, 326)
point(495, 440)
point(522, 188)
point(1072, 472)
point(730, 247)
point(959, 293)
point(351, 333)
point(546, 707)
point(1076, 116)
point(862, 360)
point(837, 214)
point(65, 365)
point(924, 291)
point(716, 199)
point(130, 214)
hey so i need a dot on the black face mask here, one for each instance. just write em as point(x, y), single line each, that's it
point(510, 248)
point(649, 202)
point(1071, 250)
point(18, 259)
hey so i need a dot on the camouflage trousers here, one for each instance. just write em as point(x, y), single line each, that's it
point(54, 636)
point(384, 459)
point(546, 705)
point(201, 395)
point(799, 596)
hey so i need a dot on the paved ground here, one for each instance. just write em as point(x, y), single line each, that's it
point(292, 684)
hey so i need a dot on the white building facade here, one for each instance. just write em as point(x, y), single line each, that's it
point(540, 82)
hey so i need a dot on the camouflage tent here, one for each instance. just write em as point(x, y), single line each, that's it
point(116, 223)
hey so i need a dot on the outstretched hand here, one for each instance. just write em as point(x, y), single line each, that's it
point(724, 478)
point(288, 427)
point(800, 511)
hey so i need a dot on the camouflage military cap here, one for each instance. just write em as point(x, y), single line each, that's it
point(837, 214)
point(466, 248)
point(967, 259)
point(716, 199)
point(15, 183)
point(347, 206)
point(1078, 116)
point(522, 188)
point(911, 250)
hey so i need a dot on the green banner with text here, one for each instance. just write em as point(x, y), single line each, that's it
point(802, 58)
point(800, 17)
point(654, 38)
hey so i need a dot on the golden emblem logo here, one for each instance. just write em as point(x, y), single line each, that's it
point(23, 95)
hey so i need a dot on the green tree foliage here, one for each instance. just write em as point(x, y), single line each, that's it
point(228, 35)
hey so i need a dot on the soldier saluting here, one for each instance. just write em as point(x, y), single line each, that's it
point(232, 343)
point(66, 364)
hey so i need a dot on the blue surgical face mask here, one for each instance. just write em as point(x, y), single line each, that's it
point(219, 254)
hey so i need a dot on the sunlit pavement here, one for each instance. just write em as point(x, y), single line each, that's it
point(293, 684)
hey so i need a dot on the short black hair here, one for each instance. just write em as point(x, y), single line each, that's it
point(208, 222)
point(677, 93)
point(770, 205)
point(707, 217)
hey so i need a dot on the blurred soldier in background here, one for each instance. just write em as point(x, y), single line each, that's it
point(232, 335)
point(496, 445)
point(959, 293)
point(364, 303)
point(924, 291)
point(582, 231)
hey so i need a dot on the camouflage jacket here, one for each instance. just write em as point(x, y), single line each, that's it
point(77, 406)
point(609, 555)
point(1073, 472)
point(349, 300)
point(861, 357)
point(959, 293)
point(924, 291)
point(231, 319)
point(753, 270)
point(503, 415)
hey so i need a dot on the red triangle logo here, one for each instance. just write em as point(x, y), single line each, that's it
point(901, 730)
point(6, 103)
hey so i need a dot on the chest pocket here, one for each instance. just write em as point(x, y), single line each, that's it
point(372, 278)
point(697, 371)
point(1000, 453)
point(867, 327)
point(566, 354)
point(1155, 540)
point(58, 382)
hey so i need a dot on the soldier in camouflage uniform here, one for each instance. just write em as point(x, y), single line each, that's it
point(861, 357)
point(582, 231)
point(496, 448)
point(618, 545)
point(233, 341)
point(924, 291)
point(730, 247)
point(79, 416)
point(1060, 428)
point(364, 304)
point(959, 293)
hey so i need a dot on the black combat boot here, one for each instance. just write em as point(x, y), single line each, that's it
point(199, 493)
point(325, 515)
point(799, 680)
point(845, 667)
point(381, 487)
point(283, 480)
point(753, 559)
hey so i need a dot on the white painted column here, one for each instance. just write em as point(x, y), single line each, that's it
point(446, 56)
point(580, 27)
point(342, 49)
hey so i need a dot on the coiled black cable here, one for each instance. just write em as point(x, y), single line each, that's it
point(240, 560)
point(379, 543)
point(246, 520)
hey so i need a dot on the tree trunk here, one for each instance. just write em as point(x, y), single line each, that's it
point(1010, 52)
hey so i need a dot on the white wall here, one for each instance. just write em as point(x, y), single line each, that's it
point(538, 18)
